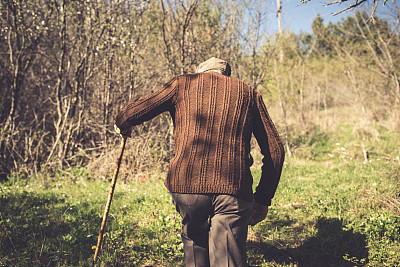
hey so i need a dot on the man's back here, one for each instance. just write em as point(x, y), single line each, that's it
point(213, 125)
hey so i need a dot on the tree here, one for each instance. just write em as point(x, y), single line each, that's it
point(352, 4)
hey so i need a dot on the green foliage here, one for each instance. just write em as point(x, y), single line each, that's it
point(313, 144)
point(384, 226)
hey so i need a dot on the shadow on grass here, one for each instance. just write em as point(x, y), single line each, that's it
point(327, 248)
point(52, 229)
point(45, 230)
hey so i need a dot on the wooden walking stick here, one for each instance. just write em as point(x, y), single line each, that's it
point(113, 182)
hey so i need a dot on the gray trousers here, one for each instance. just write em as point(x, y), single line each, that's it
point(214, 229)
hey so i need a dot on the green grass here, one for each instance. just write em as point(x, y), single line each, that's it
point(332, 208)
point(59, 224)
point(323, 214)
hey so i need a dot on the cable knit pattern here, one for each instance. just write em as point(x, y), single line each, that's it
point(214, 117)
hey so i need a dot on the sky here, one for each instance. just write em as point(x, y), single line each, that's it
point(298, 17)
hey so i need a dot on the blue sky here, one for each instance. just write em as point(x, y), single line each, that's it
point(298, 18)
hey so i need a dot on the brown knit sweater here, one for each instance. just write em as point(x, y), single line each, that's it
point(214, 117)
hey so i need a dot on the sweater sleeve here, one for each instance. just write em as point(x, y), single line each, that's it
point(139, 110)
point(272, 150)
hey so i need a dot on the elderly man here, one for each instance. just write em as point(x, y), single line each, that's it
point(209, 178)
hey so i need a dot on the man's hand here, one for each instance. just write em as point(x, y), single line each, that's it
point(124, 134)
point(258, 213)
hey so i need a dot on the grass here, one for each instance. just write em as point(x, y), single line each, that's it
point(332, 208)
